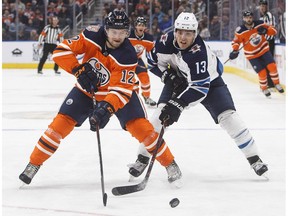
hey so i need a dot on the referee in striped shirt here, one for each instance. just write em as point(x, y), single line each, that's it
point(269, 19)
point(51, 35)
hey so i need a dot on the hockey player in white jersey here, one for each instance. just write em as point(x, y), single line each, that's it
point(192, 75)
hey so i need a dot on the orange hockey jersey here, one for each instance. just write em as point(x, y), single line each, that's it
point(141, 44)
point(117, 66)
point(255, 45)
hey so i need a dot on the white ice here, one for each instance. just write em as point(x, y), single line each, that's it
point(218, 180)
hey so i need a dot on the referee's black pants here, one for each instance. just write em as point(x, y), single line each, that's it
point(48, 48)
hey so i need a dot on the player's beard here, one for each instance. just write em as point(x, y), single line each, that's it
point(113, 44)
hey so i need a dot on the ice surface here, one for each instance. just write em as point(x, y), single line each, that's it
point(217, 178)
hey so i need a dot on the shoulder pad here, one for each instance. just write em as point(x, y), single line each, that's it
point(93, 28)
point(125, 54)
point(258, 22)
point(238, 29)
point(148, 37)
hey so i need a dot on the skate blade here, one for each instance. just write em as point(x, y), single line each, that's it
point(265, 176)
point(177, 184)
point(23, 185)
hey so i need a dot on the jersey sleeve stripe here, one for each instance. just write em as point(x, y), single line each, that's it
point(62, 54)
point(64, 46)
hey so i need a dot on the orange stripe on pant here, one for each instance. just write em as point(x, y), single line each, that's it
point(144, 132)
point(49, 142)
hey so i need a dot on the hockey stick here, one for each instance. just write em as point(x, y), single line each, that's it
point(240, 49)
point(104, 195)
point(123, 190)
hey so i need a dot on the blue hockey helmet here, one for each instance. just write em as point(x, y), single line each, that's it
point(247, 13)
point(117, 20)
point(141, 20)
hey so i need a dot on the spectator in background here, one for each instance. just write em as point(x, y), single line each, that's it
point(158, 13)
point(38, 21)
point(204, 31)
point(282, 28)
point(166, 23)
point(33, 35)
point(202, 6)
point(64, 17)
point(225, 28)
point(141, 8)
point(215, 28)
point(156, 32)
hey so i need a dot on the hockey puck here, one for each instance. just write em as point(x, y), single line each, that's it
point(174, 202)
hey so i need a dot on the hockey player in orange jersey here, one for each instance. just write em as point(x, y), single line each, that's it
point(256, 49)
point(142, 41)
point(109, 69)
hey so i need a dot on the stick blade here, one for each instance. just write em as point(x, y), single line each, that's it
point(123, 190)
point(105, 199)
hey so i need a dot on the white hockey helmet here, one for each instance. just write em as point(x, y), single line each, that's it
point(186, 21)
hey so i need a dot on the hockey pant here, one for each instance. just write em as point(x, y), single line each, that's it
point(62, 125)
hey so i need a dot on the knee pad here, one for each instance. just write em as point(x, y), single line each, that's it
point(62, 125)
point(139, 128)
point(272, 67)
point(230, 121)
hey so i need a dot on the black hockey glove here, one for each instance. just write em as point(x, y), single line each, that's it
point(262, 30)
point(101, 115)
point(171, 111)
point(233, 55)
point(170, 77)
point(87, 76)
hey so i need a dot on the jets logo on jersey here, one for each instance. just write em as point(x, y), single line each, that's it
point(195, 48)
point(163, 38)
point(105, 74)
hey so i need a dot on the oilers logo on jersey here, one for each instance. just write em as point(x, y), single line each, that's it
point(256, 39)
point(139, 48)
point(105, 74)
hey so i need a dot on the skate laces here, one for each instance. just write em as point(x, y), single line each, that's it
point(173, 171)
point(259, 167)
point(139, 166)
point(31, 170)
point(279, 88)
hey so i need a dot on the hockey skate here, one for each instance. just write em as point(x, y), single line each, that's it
point(267, 93)
point(174, 174)
point(279, 88)
point(149, 101)
point(258, 166)
point(137, 168)
point(27, 175)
